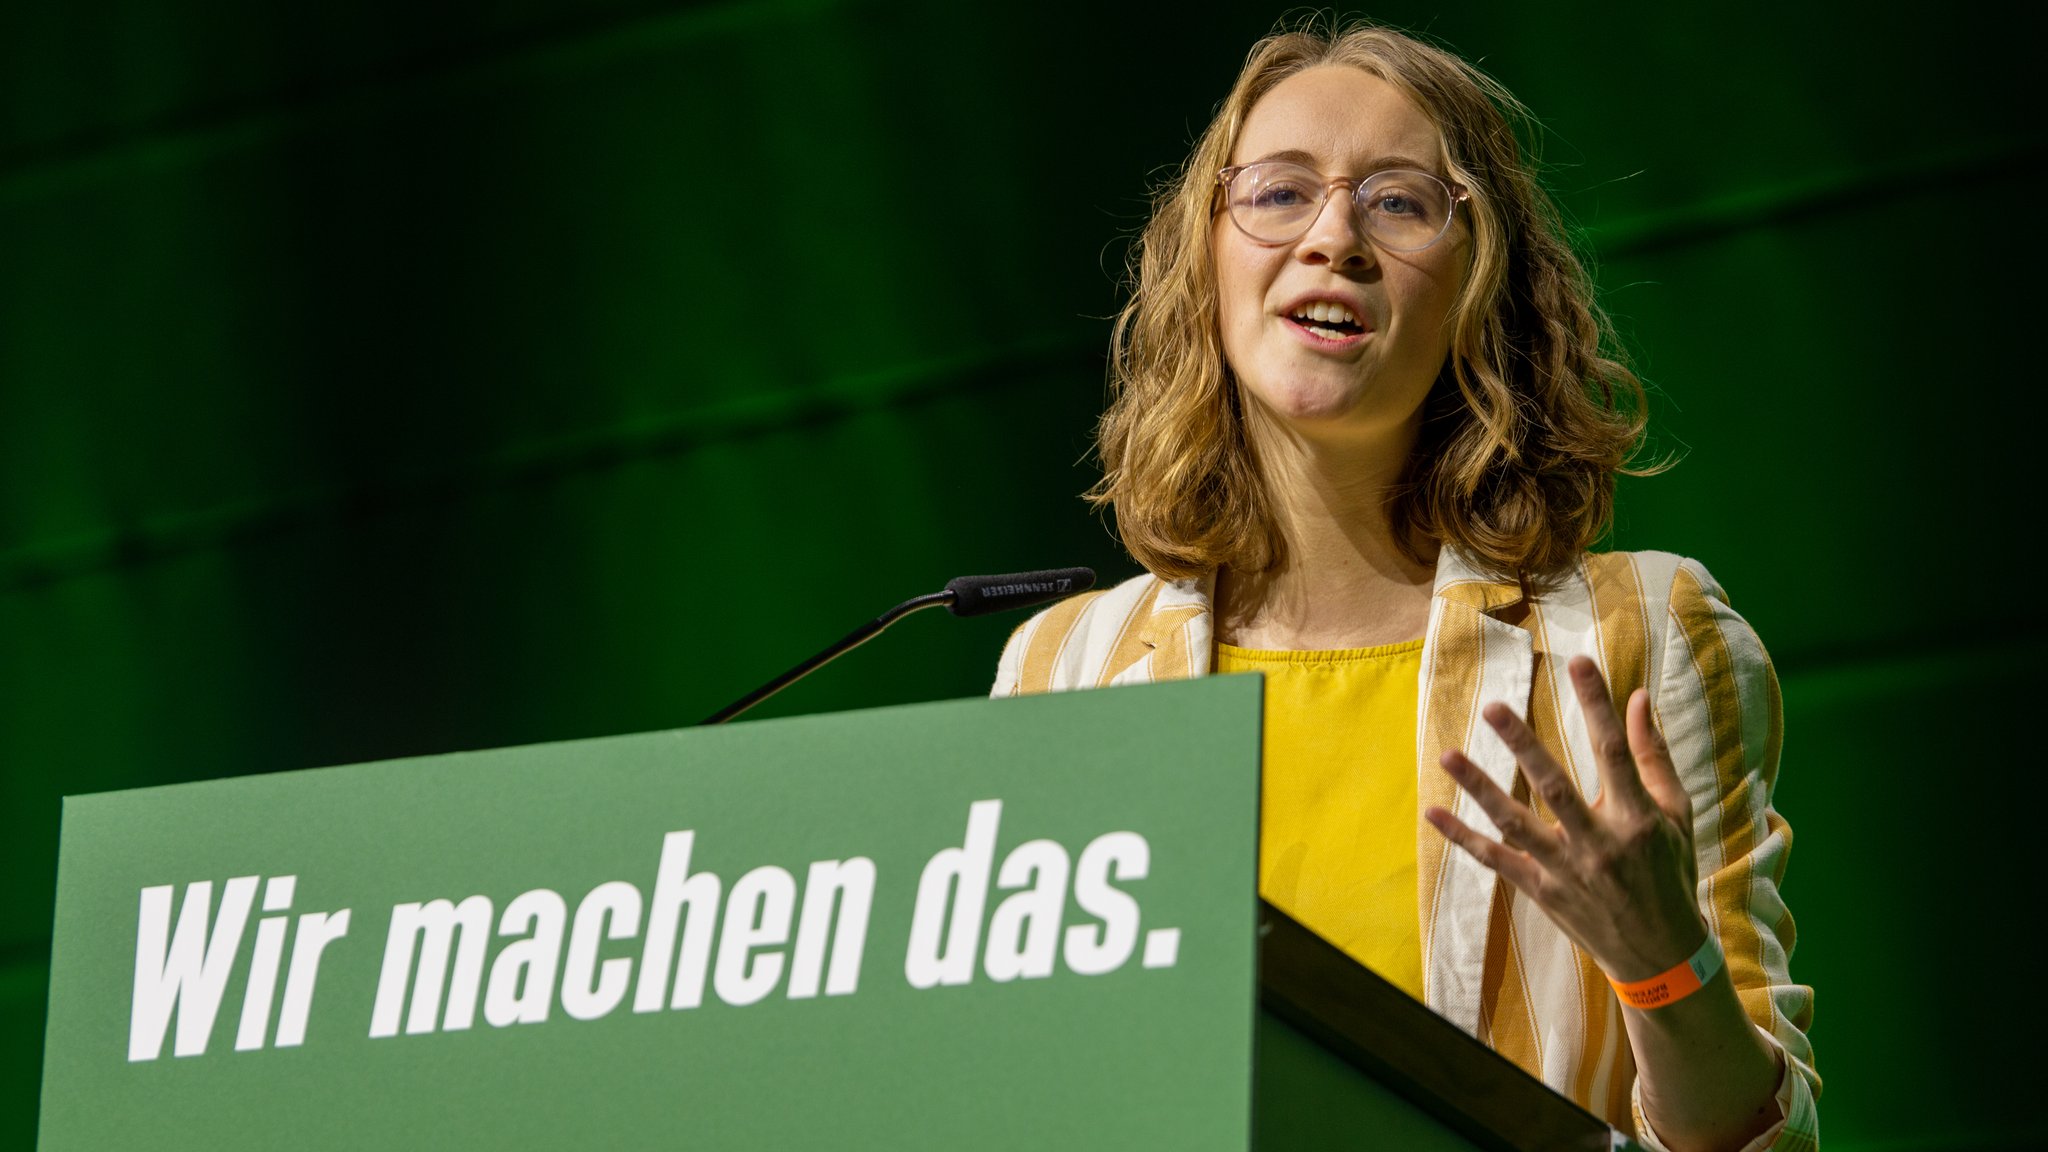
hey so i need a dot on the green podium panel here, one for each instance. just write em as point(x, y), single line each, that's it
point(993, 924)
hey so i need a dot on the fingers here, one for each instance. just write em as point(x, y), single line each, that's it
point(1619, 776)
point(1519, 827)
point(1516, 868)
point(1660, 775)
point(1546, 779)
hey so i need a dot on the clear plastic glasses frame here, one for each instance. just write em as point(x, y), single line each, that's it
point(1257, 198)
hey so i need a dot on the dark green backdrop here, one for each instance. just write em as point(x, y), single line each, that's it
point(378, 380)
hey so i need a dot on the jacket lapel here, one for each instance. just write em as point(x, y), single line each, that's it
point(1174, 633)
point(1470, 657)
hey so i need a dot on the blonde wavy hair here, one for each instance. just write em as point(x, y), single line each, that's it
point(1528, 424)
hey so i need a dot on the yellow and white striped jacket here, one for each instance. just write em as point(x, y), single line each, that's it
point(1493, 963)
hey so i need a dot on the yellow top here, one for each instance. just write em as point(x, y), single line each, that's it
point(1338, 822)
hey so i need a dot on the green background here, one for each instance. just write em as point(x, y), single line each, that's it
point(383, 380)
point(1130, 1058)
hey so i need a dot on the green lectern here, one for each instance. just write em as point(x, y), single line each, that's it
point(981, 924)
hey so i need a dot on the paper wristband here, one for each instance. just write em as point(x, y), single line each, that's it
point(1674, 985)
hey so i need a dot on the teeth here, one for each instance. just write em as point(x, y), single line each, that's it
point(1326, 311)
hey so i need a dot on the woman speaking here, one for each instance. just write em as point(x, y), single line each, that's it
point(1365, 424)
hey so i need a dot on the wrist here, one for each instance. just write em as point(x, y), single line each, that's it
point(1674, 983)
point(1648, 950)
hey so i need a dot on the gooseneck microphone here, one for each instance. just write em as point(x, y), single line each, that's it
point(962, 596)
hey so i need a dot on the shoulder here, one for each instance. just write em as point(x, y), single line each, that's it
point(1647, 617)
point(1715, 691)
point(1697, 614)
point(1086, 640)
point(1610, 580)
point(1654, 587)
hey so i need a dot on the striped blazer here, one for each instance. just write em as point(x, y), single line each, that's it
point(1492, 962)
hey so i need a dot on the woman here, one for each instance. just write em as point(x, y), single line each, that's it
point(1363, 431)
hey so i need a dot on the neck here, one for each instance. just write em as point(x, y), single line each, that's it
point(1343, 580)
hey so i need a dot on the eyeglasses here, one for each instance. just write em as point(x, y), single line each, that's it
point(1402, 210)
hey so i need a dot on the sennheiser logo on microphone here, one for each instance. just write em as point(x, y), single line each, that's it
point(1060, 585)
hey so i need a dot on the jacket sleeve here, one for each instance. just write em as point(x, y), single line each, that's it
point(1718, 706)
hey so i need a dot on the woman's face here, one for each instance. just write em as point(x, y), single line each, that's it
point(1342, 122)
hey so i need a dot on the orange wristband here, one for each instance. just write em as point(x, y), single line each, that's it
point(1675, 985)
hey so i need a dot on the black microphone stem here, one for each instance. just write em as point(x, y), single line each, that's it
point(847, 643)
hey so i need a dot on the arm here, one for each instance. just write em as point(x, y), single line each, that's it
point(1717, 704)
point(1724, 1068)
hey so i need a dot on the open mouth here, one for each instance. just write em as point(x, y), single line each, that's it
point(1329, 320)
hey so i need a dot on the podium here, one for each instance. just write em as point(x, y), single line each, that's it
point(975, 924)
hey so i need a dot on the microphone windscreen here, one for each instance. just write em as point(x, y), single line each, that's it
point(975, 595)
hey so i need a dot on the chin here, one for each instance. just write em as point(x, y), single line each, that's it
point(1312, 401)
point(1321, 412)
point(1320, 417)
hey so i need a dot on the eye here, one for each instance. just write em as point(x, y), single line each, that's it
point(1405, 198)
point(1397, 202)
point(1281, 194)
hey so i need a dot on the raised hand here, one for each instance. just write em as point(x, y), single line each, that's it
point(1617, 875)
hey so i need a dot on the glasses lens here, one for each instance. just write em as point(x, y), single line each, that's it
point(1403, 209)
point(1275, 202)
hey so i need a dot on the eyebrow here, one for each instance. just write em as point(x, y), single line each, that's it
point(1376, 164)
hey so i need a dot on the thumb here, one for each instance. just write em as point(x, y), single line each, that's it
point(1653, 761)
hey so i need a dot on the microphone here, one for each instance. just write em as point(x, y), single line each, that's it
point(962, 596)
point(979, 595)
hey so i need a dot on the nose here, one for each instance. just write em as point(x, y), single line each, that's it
point(1336, 236)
